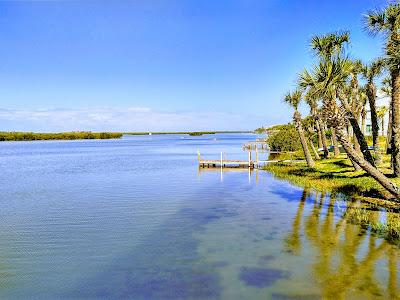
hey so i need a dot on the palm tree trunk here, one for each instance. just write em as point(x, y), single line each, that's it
point(336, 151)
point(383, 125)
point(349, 131)
point(324, 142)
point(307, 154)
point(365, 165)
point(316, 155)
point(319, 134)
point(355, 165)
point(371, 93)
point(389, 132)
point(363, 119)
point(356, 143)
point(360, 139)
point(352, 117)
point(396, 122)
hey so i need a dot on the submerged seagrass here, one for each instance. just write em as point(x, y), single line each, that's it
point(136, 218)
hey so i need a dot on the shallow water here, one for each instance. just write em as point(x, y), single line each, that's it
point(136, 218)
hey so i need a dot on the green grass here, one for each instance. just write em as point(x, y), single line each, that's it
point(336, 175)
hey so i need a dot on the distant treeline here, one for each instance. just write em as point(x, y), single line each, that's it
point(76, 135)
point(185, 132)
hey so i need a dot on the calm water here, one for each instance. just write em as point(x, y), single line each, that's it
point(135, 218)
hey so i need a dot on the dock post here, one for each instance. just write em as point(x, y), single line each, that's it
point(257, 157)
point(198, 155)
point(221, 161)
point(249, 158)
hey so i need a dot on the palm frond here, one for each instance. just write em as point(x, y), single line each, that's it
point(375, 21)
point(293, 98)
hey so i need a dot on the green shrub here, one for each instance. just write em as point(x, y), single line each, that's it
point(286, 138)
point(78, 135)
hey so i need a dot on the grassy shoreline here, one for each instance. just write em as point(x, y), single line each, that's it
point(336, 175)
point(75, 135)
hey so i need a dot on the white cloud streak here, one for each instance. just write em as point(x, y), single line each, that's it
point(121, 119)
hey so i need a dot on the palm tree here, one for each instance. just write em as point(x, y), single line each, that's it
point(294, 99)
point(336, 150)
point(328, 80)
point(387, 21)
point(381, 112)
point(330, 50)
point(370, 72)
point(356, 104)
point(387, 90)
point(363, 99)
point(309, 125)
point(338, 117)
point(322, 143)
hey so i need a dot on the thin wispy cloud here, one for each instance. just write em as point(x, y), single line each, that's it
point(121, 119)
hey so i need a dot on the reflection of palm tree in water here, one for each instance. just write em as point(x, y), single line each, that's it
point(293, 242)
point(342, 266)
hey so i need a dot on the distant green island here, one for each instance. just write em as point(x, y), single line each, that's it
point(192, 133)
point(88, 135)
point(75, 135)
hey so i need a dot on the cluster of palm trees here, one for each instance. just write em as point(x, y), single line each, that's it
point(337, 88)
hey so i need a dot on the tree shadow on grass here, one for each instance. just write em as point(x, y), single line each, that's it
point(341, 163)
point(301, 172)
point(391, 175)
point(352, 190)
point(334, 175)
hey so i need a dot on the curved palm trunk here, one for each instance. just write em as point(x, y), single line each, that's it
point(319, 134)
point(352, 118)
point(361, 140)
point(307, 154)
point(366, 166)
point(316, 155)
point(396, 122)
point(324, 141)
point(336, 151)
point(355, 165)
point(363, 119)
point(371, 94)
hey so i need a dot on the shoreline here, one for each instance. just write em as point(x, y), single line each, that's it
point(335, 175)
point(59, 136)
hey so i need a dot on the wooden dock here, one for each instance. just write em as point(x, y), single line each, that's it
point(234, 163)
point(225, 163)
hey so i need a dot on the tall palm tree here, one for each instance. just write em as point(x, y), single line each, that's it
point(387, 21)
point(336, 150)
point(363, 99)
point(370, 72)
point(330, 50)
point(328, 80)
point(293, 99)
point(381, 112)
point(309, 124)
point(356, 104)
point(322, 143)
point(387, 90)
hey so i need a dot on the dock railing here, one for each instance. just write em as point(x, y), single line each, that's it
point(223, 162)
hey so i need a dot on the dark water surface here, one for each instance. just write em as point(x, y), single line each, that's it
point(135, 218)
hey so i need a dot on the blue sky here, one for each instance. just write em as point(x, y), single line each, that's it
point(162, 64)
